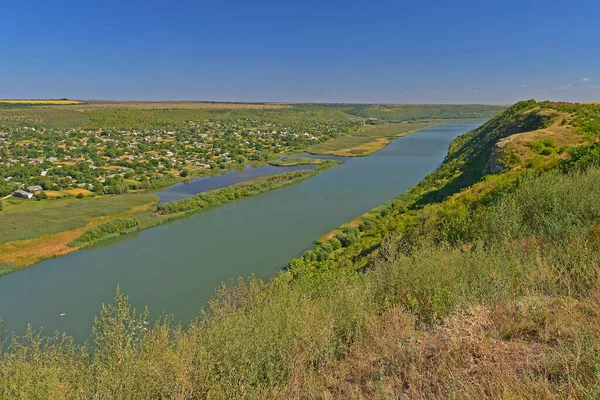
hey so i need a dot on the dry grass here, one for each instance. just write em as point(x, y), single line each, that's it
point(562, 135)
point(364, 149)
point(75, 192)
point(28, 252)
point(55, 194)
point(470, 356)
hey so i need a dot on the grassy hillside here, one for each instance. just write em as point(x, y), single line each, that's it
point(471, 285)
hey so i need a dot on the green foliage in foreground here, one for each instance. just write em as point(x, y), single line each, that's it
point(110, 228)
point(262, 340)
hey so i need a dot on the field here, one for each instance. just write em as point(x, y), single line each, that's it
point(33, 230)
point(41, 102)
point(292, 161)
point(366, 140)
point(185, 105)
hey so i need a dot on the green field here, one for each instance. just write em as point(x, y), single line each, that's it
point(293, 161)
point(31, 219)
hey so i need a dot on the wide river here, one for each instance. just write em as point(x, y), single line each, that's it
point(176, 267)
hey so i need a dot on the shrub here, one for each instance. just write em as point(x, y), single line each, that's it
point(543, 147)
point(112, 227)
point(349, 235)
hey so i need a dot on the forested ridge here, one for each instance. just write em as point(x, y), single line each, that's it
point(480, 282)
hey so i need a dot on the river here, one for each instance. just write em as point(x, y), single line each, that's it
point(177, 267)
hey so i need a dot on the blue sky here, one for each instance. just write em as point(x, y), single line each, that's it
point(304, 51)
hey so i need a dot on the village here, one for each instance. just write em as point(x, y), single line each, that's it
point(35, 161)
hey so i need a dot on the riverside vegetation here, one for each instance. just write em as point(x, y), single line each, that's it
point(480, 282)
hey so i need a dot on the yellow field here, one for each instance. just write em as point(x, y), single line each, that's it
point(94, 104)
point(48, 102)
point(75, 192)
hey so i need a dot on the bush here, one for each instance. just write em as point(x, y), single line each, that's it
point(349, 235)
point(112, 227)
point(543, 147)
point(220, 196)
point(582, 157)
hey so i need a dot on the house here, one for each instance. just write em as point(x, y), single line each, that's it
point(23, 194)
point(35, 188)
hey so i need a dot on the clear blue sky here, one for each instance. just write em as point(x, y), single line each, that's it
point(306, 51)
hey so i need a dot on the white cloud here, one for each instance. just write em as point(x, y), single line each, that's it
point(585, 79)
point(567, 87)
point(523, 86)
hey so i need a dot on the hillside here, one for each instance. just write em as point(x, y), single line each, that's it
point(480, 282)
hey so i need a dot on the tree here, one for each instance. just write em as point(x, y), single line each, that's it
point(98, 188)
point(41, 196)
point(349, 235)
